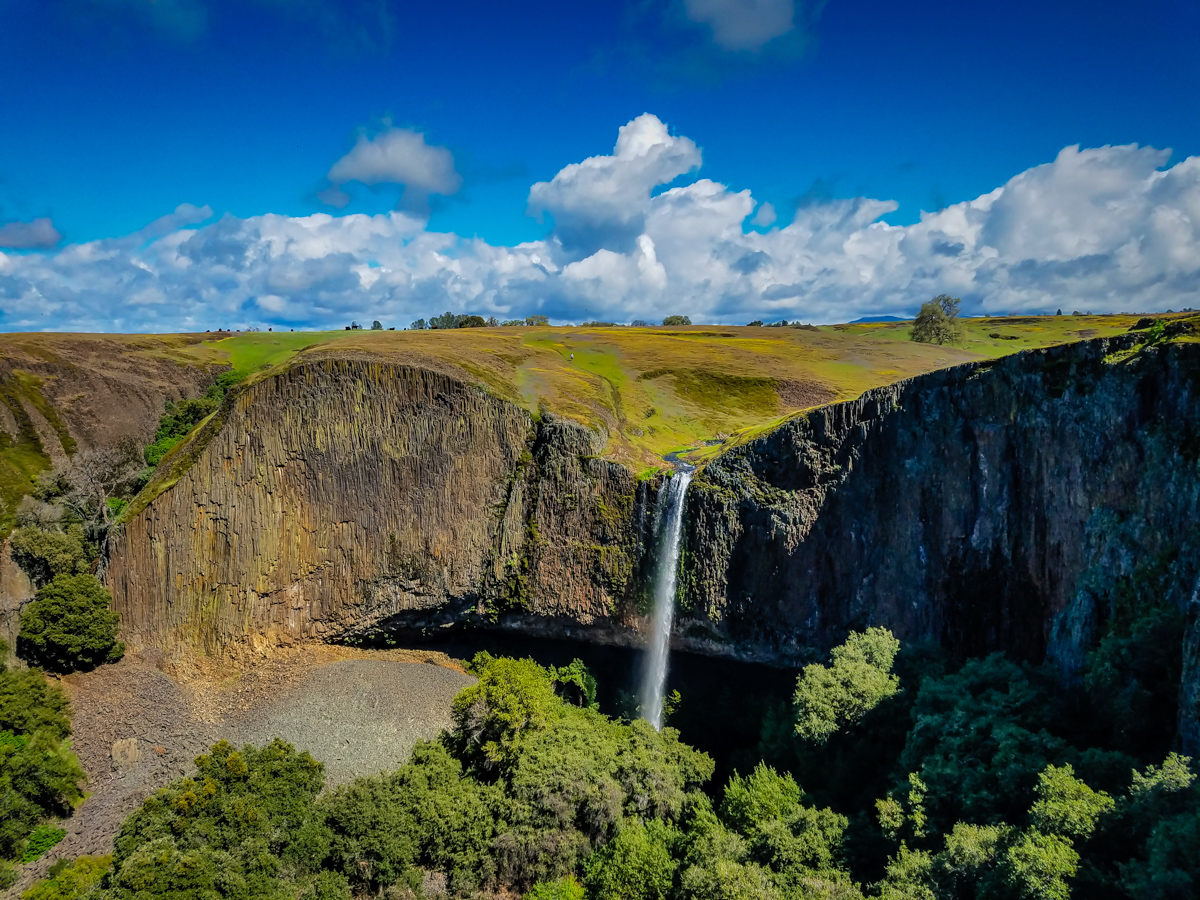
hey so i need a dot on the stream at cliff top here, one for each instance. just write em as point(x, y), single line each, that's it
point(669, 525)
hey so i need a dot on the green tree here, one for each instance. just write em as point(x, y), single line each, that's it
point(636, 865)
point(43, 554)
point(377, 325)
point(937, 322)
point(537, 320)
point(70, 881)
point(677, 320)
point(857, 680)
point(69, 625)
point(511, 698)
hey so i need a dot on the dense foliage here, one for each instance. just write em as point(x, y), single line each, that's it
point(39, 776)
point(69, 625)
point(180, 418)
point(931, 781)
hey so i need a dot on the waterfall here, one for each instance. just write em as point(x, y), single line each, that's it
point(670, 518)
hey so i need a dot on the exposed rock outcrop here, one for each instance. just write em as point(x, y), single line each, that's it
point(993, 506)
point(345, 495)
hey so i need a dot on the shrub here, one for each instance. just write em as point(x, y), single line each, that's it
point(177, 420)
point(69, 625)
point(559, 889)
point(40, 840)
point(71, 881)
point(43, 554)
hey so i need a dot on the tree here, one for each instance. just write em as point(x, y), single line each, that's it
point(857, 680)
point(69, 625)
point(511, 697)
point(537, 320)
point(43, 554)
point(469, 322)
point(937, 322)
point(445, 320)
point(418, 325)
point(377, 325)
point(96, 475)
point(677, 320)
point(638, 323)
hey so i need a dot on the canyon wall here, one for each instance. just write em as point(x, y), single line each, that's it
point(1021, 505)
point(1003, 505)
point(342, 496)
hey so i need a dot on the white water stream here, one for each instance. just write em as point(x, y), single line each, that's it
point(659, 647)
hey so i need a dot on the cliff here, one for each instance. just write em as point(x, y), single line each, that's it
point(1030, 505)
point(1033, 504)
point(341, 496)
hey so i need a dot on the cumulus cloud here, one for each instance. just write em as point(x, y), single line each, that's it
point(602, 202)
point(743, 24)
point(38, 234)
point(1105, 229)
point(395, 156)
point(765, 217)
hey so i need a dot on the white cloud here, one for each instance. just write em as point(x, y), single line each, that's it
point(602, 202)
point(765, 216)
point(395, 156)
point(1104, 229)
point(743, 24)
point(38, 234)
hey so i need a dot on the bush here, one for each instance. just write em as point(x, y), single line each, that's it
point(559, 889)
point(71, 881)
point(40, 840)
point(69, 625)
point(43, 554)
point(177, 420)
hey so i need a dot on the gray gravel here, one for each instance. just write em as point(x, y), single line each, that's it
point(357, 716)
point(136, 729)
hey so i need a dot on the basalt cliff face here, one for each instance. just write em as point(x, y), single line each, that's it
point(1008, 506)
point(343, 496)
point(993, 506)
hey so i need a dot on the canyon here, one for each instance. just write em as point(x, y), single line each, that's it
point(1000, 504)
point(991, 506)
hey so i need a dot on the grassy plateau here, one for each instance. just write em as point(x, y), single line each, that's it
point(651, 391)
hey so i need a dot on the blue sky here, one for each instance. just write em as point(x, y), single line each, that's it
point(116, 112)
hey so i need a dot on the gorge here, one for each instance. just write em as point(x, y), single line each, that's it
point(997, 505)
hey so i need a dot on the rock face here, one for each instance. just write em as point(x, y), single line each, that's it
point(992, 506)
point(346, 495)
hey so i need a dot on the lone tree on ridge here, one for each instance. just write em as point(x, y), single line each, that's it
point(937, 322)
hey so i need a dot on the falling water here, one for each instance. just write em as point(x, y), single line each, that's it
point(671, 518)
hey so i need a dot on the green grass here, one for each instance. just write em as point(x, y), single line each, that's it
point(22, 457)
point(651, 390)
